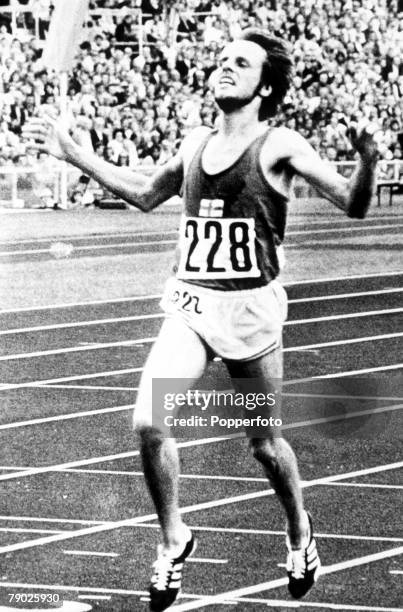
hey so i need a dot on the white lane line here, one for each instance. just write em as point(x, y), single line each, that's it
point(375, 398)
point(123, 245)
point(131, 473)
point(100, 593)
point(271, 532)
point(67, 606)
point(223, 478)
point(307, 347)
point(66, 417)
point(23, 330)
point(70, 465)
point(141, 341)
point(97, 236)
point(95, 597)
point(94, 388)
point(90, 553)
point(335, 296)
point(395, 366)
point(136, 473)
point(364, 485)
point(297, 424)
point(342, 230)
point(78, 349)
point(22, 530)
point(329, 279)
point(93, 460)
point(396, 572)
point(90, 413)
point(273, 584)
point(295, 381)
point(308, 395)
point(338, 317)
point(184, 476)
point(39, 383)
point(344, 417)
point(73, 588)
point(50, 381)
point(35, 519)
point(349, 315)
point(280, 603)
point(206, 560)
point(232, 530)
point(343, 296)
point(94, 247)
point(66, 305)
point(340, 223)
point(188, 509)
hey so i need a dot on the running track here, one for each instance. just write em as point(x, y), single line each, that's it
point(75, 517)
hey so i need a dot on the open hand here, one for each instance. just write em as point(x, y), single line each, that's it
point(363, 138)
point(48, 135)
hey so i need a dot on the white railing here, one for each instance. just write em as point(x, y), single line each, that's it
point(22, 187)
point(386, 171)
point(33, 187)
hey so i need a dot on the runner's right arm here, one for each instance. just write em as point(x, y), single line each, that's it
point(136, 189)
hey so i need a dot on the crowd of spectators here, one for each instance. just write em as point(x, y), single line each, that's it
point(133, 98)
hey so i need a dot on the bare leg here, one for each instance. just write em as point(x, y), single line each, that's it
point(159, 453)
point(273, 452)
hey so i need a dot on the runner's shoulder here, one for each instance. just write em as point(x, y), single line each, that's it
point(282, 143)
point(192, 142)
point(286, 138)
point(196, 137)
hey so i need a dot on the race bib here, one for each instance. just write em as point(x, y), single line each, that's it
point(217, 248)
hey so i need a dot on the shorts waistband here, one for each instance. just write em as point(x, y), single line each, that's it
point(223, 294)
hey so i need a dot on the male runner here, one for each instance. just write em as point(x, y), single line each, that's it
point(236, 185)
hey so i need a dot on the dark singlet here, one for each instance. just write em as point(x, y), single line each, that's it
point(232, 223)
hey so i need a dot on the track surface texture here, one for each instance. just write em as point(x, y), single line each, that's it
point(79, 311)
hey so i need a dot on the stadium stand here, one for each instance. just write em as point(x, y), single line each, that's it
point(141, 75)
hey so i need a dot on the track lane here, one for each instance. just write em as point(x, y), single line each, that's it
point(148, 304)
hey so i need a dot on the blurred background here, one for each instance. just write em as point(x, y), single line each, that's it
point(140, 82)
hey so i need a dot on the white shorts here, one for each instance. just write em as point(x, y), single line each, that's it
point(236, 325)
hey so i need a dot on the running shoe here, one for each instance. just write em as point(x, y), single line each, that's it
point(303, 565)
point(167, 577)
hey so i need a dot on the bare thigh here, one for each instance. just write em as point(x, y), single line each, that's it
point(177, 353)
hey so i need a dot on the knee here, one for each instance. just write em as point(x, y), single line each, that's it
point(144, 428)
point(266, 451)
point(150, 438)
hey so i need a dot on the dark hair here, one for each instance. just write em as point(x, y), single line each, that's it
point(277, 68)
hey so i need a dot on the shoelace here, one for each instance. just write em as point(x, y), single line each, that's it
point(162, 567)
point(296, 563)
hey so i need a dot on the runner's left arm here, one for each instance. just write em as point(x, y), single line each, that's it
point(352, 195)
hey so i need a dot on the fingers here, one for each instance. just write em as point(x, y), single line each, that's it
point(48, 113)
point(49, 120)
point(34, 129)
point(364, 126)
point(352, 132)
point(364, 133)
point(36, 133)
point(372, 130)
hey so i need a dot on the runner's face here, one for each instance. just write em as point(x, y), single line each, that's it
point(239, 73)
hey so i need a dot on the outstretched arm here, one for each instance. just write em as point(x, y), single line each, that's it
point(352, 195)
point(136, 189)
